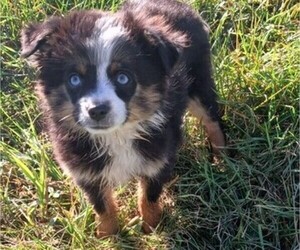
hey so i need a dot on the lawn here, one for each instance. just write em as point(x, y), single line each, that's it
point(250, 200)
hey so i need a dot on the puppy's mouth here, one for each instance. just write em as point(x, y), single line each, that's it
point(96, 125)
point(100, 127)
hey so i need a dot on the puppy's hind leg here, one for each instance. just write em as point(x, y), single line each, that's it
point(211, 122)
point(203, 97)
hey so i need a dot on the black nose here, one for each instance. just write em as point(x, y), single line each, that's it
point(99, 112)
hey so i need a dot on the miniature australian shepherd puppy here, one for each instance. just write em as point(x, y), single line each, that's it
point(114, 88)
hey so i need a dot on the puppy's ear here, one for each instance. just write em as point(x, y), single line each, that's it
point(159, 35)
point(34, 36)
point(169, 45)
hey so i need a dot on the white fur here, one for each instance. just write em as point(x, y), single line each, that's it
point(127, 162)
point(104, 93)
point(100, 46)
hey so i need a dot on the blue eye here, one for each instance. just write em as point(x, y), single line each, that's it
point(75, 80)
point(122, 78)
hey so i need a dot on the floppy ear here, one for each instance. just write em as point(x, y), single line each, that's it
point(35, 35)
point(157, 33)
point(168, 50)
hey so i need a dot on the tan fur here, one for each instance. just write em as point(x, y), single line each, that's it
point(114, 67)
point(81, 68)
point(108, 221)
point(212, 128)
point(149, 211)
point(150, 99)
point(63, 115)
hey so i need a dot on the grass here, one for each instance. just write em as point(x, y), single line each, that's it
point(249, 201)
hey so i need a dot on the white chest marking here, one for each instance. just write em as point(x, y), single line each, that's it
point(126, 162)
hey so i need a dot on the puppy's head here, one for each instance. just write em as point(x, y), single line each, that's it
point(99, 71)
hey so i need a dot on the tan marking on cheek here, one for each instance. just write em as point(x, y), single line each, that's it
point(64, 112)
point(144, 103)
point(150, 211)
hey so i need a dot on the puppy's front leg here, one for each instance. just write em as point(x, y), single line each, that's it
point(148, 203)
point(102, 200)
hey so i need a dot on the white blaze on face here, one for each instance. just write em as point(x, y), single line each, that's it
point(100, 46)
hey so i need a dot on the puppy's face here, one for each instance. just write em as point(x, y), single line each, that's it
point(100, 71)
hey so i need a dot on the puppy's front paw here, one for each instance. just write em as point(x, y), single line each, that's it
point(151, 214)
point(107, 227)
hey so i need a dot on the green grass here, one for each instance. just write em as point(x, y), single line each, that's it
point(249, 201)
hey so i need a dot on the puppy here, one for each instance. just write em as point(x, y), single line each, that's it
point(114, 88)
